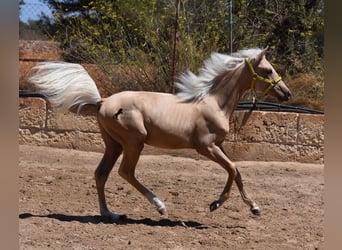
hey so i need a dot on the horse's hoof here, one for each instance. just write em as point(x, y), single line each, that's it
point(255, 210)
point(114, 217)
point(213, 206)
point(162, 211)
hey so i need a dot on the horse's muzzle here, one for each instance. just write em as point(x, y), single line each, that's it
point(287, 95)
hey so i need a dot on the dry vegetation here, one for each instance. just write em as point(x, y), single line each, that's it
point(308, 91)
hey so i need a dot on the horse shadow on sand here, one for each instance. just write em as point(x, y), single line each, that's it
point(124, 220)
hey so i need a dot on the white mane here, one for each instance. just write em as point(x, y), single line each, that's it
point(191, 87)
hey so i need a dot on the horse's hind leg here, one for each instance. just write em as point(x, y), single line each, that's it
point(112, 153)
point(127, 171)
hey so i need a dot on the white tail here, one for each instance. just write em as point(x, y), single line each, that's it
point(66, 85)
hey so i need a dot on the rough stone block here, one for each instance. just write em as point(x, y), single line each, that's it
point(29, 138)
point(25, 71)
point(271, 127)
point(56, 139)
point(88, 142)
point(32, 112)
point(311, 130)
point(85, 121)
point(39, 50)
point(62, 139)
point(279, 152)
point(238, 151)
point(310, 154)
point(260, 151)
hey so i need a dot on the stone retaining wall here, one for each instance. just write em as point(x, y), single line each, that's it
point(267, 136)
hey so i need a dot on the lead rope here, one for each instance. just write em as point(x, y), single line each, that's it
point(246, 115)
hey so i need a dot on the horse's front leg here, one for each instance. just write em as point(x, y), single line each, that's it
point(245, 197)
point(217, 154)
point(253, 206)
point(214, 153)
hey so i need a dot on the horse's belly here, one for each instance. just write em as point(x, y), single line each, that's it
point(169, 144)
point(168, 139)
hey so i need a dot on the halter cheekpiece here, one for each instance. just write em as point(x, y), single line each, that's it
point(272, 83)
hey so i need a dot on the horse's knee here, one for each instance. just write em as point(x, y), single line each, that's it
point(232, 172)
point(103, 170)
point(122, 173)
point(100, 173)
point(126, 174)
point(112, 152)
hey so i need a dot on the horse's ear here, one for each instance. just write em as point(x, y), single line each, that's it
point(260, 56)
point(265, 50)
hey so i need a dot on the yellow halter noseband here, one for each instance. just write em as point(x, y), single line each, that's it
point(272, 83)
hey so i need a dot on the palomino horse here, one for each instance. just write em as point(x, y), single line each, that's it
point(196, 117)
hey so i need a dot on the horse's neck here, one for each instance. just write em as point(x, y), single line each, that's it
point(230, 88)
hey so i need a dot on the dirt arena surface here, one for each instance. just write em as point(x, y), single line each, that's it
point(58, 206)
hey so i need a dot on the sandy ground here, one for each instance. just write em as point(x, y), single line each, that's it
point(58, 204)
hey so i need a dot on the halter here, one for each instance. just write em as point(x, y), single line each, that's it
point(272, 83)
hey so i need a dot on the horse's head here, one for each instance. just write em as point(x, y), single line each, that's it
point(265, 79)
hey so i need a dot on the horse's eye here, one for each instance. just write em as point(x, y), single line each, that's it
point(269, 71)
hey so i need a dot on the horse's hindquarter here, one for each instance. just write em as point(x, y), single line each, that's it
point(162, 119)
